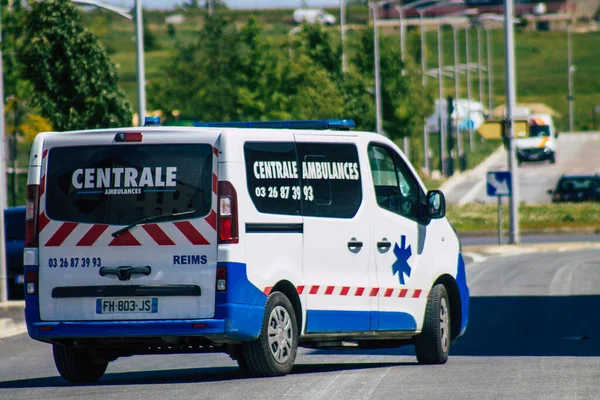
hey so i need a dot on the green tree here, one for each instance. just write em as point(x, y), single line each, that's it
point(171, 31)
point(75, 83)
point(150, 40)
point(231, 75)
point(317, 43)
point(405, 102)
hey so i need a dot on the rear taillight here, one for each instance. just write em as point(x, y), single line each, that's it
point(31, 282)
point(221, 279)
point(31, 216)
point(228, 214)
point(129, 137)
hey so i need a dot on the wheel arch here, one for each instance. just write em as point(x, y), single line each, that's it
point(290, 291)
point(455, 303)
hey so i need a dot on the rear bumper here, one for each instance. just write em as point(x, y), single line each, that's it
point(239, 314)
point(243, 323)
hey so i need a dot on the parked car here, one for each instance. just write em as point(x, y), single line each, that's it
point(14, 232)
point(577, 188)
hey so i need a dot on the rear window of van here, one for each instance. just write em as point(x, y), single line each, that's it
point(121, 184)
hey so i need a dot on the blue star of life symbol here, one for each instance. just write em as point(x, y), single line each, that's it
point(401, 265)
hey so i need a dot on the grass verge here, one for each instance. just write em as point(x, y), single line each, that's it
point(559, 217)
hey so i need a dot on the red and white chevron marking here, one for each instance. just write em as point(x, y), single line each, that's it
point(195, 231)
point(355, 291)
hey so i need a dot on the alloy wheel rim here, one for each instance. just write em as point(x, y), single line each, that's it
point(280, 334)
point(444, 325)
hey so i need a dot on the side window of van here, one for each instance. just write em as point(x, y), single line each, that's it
point(330, 178)
point(272, 175)
point(396, 188)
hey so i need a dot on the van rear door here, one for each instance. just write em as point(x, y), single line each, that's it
point(127, 229)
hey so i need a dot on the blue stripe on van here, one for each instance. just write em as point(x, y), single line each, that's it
point(242, 305)
point(318, 321)
point(461, 281)
point(396, 321)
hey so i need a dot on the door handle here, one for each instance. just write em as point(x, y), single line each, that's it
point(354, 245)
point(125, 273)
point(383, 246)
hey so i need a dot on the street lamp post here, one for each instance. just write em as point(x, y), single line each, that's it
point(471, 138)
point(343, 34)
point(141, 78)
point(479, 68)
point(441, 96)
point(423, 61)
point(373, 8)
point(510, 106)
point(3, 275)
point(139, 53)
point(570, 70)
point(402, 32)
point(459, 144)
point(489, 70)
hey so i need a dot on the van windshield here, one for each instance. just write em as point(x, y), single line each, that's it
point(539, 130)
point(121, 184)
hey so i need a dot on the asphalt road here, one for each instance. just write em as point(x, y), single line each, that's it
point(530, 239)
point(576, 154)
point(533, 333)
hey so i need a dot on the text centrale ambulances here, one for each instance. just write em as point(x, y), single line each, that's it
point(310, 170)
point(109, 178)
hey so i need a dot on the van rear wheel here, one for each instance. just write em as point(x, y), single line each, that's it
point(274, 352)
point(77, 365)
point(432, 346)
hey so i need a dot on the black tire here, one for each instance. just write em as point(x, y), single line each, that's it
point(274, 352)
point(77, 365)
point(238, 355)
point(552, 159)
point(432, 346)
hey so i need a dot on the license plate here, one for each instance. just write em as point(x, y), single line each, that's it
point(126, 306)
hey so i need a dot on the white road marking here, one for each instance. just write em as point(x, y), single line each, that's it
point(477, 258)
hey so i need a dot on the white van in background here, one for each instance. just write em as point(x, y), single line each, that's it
point(313, 16)
point(541, 144)
point(468, 113)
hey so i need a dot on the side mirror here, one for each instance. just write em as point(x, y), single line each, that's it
point(436, 204)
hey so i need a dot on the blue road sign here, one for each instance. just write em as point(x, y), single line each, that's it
point(498, 183)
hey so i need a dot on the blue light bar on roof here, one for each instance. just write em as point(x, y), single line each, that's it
point(151, 121)
point(336, 124)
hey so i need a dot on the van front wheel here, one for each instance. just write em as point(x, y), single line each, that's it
point(77, 365)
point(274, 352)
point(433, 344)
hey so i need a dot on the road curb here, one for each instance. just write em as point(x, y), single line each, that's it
point(12, 304)
point(514, 249)
point(9, 328)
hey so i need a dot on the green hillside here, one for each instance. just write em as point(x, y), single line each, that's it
point(540, 56)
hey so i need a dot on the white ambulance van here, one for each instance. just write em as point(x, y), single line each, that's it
point(542, 142)
point(245, 238)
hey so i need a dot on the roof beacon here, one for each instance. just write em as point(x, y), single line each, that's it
point(152, 121)
point(335, 124)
